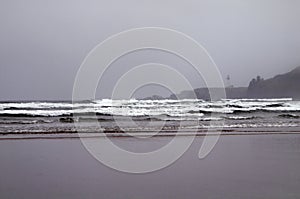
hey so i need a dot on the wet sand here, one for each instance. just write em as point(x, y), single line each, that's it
point(248, 166)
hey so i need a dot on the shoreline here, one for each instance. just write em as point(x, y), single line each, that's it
point(139, 135)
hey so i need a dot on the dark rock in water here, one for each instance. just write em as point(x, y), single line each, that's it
point(115, 129)
point(66, 119)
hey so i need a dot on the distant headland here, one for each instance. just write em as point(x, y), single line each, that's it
point(281, 86)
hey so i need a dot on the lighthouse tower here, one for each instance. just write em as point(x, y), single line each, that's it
point(228, 82)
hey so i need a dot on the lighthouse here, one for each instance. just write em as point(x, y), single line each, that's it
point(228, 82)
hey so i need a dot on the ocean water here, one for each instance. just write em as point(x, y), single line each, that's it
point(119, 116)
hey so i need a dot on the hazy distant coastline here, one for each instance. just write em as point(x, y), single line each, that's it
point(281, 86)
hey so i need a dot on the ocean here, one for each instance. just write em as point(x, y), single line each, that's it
point(116, 117)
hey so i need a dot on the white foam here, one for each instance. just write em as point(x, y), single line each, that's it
point(133, 107)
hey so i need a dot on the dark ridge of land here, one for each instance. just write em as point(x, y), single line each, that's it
point(204, 93)
point(281, 86)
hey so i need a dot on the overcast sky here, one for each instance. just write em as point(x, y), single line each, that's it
point(43, 43)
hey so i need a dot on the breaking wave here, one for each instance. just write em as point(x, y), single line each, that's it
point(60, 116)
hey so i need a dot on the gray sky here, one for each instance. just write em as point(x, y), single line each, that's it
point(44, 42)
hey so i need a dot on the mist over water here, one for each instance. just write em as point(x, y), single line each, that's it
point(44, 43)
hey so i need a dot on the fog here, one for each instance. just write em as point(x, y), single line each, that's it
point(43, 43)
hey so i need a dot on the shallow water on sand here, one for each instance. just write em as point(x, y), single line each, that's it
point(249, 166)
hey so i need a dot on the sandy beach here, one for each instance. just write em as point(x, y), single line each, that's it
point(240, 166)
